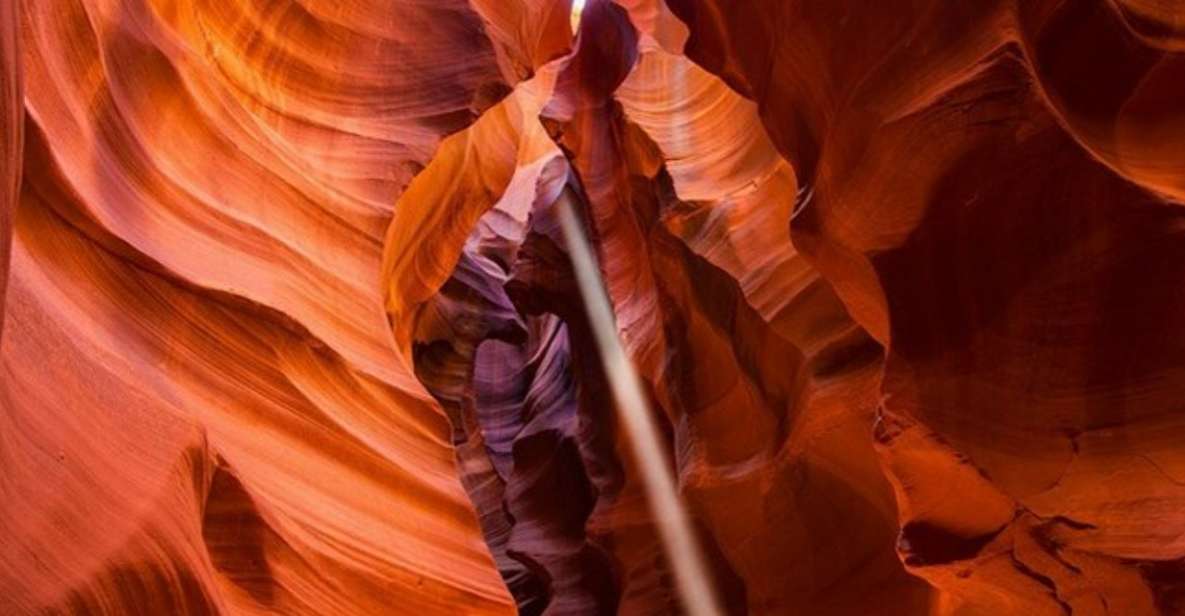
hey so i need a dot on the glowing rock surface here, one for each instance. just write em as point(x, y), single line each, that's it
point(289, 325)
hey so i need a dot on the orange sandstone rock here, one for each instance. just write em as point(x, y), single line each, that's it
point(289, 325)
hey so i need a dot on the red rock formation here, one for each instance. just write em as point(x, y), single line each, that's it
point(12, 112)
point(203, 409)
point(987, 210)
point(290, 324)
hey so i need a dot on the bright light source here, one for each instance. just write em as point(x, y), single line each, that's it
point(692, 577)
point(577, 10)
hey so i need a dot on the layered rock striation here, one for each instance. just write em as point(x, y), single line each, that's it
point(289, 323)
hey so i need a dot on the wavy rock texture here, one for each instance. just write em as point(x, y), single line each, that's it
point(289, 324)
point(12, 112)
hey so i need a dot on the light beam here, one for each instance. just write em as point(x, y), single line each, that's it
point(670, 514)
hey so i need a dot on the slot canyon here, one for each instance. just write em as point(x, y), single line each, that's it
point(289, 319)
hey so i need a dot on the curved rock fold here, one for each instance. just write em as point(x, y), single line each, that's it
point(289, 324)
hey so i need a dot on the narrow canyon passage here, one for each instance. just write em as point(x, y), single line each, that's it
point(291, 325)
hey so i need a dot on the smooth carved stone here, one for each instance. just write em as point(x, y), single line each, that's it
point(289, 324)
